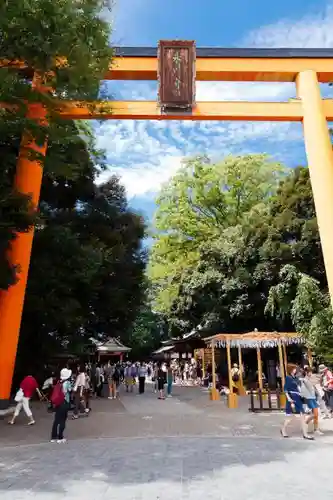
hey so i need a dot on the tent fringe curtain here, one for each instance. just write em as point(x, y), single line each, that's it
point(255, 340)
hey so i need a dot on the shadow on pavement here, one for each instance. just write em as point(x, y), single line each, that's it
point(120, 462)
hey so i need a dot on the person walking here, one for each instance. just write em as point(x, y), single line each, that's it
point(27, 389)
point(294, 404)
point(142, 377)
point(169, 380)
point(78, 391)
point(327, 384)
point(61, 402)
point(308, 392)
point(160, 382)
point(115, 382)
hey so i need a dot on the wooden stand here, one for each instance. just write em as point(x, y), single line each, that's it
point(214, 394)
point(232, 400)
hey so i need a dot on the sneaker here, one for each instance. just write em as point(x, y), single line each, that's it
point(32, 422)
point(318, 432)
point(53, 441)
point(62, 440)
point(110, 397)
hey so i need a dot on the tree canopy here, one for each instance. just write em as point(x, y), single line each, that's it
point(37, 33)
point(87, 265)
point(224, 233)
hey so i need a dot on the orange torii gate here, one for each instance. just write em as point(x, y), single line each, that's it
point(177, 65)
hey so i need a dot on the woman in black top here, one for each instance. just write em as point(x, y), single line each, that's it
point(160, 382)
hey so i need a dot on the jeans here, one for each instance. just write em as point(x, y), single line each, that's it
point(59, 422)
point(169, 387)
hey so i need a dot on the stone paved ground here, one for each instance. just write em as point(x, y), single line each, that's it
point(140, 448)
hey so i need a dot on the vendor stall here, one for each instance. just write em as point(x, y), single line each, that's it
point(252, 340)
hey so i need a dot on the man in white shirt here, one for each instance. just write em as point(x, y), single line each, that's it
point(78, 389)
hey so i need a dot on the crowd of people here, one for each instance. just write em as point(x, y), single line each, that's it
point(73, 389)
point(309, 393)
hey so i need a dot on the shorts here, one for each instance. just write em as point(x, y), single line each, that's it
point(312, 403)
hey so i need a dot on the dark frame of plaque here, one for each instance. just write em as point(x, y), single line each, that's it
point(176, 75)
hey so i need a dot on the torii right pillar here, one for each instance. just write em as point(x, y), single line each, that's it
point(319, 152)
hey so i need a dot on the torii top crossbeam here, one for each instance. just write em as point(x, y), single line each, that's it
point(225, 64)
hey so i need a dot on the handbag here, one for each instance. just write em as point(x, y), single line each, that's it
point(19, 396)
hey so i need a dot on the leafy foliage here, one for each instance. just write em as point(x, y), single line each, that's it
point(299, 296)
point(37, 33)
point(87, 263)
point(200, 220)
point(146, 334)
point(225, 279)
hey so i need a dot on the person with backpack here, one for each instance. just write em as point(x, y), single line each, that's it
point(61, 402)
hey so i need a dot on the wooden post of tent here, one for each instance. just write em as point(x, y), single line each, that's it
point(259, 368)
point(283, 376)
point(232, 397)
point(310, 358)
point(214, 393)
point(241, 390)
point(285, 357)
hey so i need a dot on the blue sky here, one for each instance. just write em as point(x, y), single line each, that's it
point(145, 154)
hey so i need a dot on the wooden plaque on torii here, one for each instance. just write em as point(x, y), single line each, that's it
point(176, 74)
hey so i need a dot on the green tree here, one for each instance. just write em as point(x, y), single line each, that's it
point(37, 33)
point(146, 334)
point(299, 297)
point(227, 285)
point(87, 265)
point(195, 209)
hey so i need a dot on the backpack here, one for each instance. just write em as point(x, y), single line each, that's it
point(58, 396)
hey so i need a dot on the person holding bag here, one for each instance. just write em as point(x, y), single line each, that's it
point(27, 389)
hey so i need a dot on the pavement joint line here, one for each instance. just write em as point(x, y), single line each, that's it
point(324, 440)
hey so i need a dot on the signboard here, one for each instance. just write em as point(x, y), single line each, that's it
point(176, 74)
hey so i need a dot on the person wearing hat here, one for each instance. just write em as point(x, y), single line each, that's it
point(327, 384)
point(62, 394)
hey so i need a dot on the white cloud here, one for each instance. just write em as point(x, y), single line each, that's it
point(310, 31)
point(146, 154)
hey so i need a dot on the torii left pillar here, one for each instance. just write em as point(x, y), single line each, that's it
point(28, 180)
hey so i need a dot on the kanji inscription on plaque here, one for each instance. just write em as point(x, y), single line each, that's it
point(176, 74)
